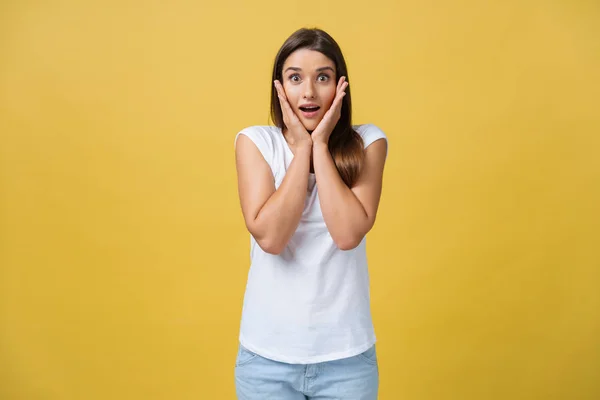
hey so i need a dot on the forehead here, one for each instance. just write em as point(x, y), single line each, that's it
point(308, 60)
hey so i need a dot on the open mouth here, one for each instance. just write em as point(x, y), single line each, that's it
point(310, 111)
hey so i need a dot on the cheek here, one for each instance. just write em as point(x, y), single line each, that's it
point(291, 92)
point(328, 96)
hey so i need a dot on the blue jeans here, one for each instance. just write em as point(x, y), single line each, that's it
point(352, 378)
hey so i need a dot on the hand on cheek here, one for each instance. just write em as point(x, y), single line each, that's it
point(332, 116)
point(297, 132)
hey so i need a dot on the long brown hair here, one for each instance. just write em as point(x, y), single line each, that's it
point(345, 144)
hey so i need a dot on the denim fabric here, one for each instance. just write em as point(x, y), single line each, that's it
point(352, 378)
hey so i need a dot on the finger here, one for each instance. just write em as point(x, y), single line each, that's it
point(285, 104)
point(282, 101)
point(337, 102)
point(342, 91)
point(341, 81)
point(342, 87)
point(280, 92)
point(279, 88)
point(335, 107)
point(288, 113)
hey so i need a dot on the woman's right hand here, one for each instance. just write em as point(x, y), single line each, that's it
point(296, 132)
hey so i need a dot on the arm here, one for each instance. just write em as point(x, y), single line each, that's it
point(349, 213)
point(271, 216)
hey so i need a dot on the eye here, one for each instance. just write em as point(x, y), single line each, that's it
point(294, 78)
point(323, 78)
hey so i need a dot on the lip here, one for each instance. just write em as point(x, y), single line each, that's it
point(310, 114)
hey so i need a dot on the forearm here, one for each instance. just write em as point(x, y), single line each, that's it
point(278, 219)
point(344, 215)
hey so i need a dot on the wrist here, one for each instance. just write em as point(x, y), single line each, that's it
point(320, 146)
point(304, 146)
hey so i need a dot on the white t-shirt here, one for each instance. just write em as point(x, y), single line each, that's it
point(310, 303)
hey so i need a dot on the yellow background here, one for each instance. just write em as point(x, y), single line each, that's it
point(123, 253)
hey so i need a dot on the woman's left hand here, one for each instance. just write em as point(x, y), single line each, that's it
point(332, 116)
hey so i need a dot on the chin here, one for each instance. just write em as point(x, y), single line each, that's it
point(310, 125)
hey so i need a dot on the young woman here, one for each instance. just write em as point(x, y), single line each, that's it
point(309, 190)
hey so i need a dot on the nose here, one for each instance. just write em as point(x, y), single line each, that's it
point(309, 90)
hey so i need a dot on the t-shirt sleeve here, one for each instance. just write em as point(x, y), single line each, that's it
point(261, 139)
point(370, 133)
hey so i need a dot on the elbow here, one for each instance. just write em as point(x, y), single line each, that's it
point(273, 247)
point(349, 240)
point(348, 243)
point(268, 242)
point(353, 236)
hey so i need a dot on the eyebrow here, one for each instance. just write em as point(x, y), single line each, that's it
point(300, 69)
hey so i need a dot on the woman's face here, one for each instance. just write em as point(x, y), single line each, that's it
point(309, 81)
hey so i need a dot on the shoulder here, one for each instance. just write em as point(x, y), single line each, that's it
point(259, 134)
point(370, 133)
point(265, 138)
